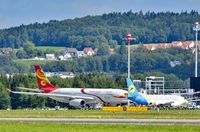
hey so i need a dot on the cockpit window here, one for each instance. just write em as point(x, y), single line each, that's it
point(126, 94)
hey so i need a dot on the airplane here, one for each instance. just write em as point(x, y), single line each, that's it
point(75, 97)
point(156, 100)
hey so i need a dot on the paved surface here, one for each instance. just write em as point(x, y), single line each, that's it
point(106, 121)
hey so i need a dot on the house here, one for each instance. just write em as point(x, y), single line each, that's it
point(38, 58)
point(60, 74)
point(67, 56)
point(111, 51)
point(81, 54)
point(88, 51)
point(50, 57)
point(165, 45)
point(176, 44)
point(71, 51)
point(188, 45)
point(6, 51)
point(96, 50)
point(174, 63)
point(65, 75)
point(150, 47)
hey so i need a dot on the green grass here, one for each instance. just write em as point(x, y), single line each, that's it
point(58, 127)
point(153, 114)
point(45, 48)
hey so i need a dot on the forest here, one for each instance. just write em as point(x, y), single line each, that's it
point(107, 29)
point(142, 61)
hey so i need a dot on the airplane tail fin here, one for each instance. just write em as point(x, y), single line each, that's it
point(134, 94)
point(131, 88)
point(42, 80)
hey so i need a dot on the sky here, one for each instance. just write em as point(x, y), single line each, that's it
point(18, 12)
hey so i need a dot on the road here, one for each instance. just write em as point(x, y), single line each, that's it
point(106, 121)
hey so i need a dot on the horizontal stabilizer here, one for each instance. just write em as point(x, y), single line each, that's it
point(29, 89)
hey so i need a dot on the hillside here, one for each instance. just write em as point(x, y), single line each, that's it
point(107, 29)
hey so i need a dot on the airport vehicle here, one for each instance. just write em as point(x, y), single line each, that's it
point(156, 100)
point(76, 97)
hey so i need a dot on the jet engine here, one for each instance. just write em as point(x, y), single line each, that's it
point(77, 103)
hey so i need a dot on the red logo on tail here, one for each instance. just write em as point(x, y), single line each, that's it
point(43, 82)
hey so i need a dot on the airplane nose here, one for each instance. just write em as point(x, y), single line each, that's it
point(185, 102)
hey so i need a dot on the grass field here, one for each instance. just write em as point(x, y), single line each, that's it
point(153, 114)
point(45, 48)
point(58, 127)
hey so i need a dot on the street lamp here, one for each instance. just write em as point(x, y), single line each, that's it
point(196, 28)
point(129, 38)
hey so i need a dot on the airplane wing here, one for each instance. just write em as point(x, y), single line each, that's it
point(52, 95)
point(29, 89)
point(169, 103)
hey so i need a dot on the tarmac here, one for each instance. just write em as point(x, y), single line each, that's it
point(106, 121)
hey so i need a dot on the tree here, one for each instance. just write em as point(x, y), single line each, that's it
point(30, 50)
point(4, 98)
point(103, 50)
point(123, 50)
point(92, 31)
point(21, 54)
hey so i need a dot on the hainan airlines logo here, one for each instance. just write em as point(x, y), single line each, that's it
point(43, 80)
point(131, 89)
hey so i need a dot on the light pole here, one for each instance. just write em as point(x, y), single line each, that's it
point(196, 28)
point(129, 38)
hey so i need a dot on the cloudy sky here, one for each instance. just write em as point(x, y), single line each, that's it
point(17, 12)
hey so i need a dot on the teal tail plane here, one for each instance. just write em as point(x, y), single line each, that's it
point(134, 95)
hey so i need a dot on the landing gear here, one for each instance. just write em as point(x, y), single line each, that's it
point(87, 107)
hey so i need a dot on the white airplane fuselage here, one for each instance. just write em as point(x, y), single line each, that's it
point(175, 100)
point(106, 96)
